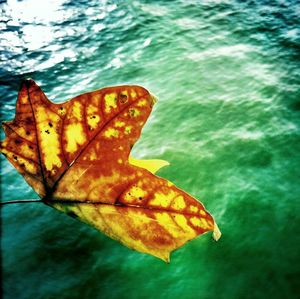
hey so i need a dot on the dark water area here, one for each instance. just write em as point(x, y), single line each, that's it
point(226, 74)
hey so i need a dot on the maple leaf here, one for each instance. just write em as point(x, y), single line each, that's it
point(75, 155)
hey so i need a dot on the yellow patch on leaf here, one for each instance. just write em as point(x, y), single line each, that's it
point(110, 101)
point(76, 156)
point(74, 137)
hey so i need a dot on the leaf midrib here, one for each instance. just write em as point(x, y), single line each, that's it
point(119, 205)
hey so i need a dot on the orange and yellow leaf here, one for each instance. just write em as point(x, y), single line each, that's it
point(75, 155)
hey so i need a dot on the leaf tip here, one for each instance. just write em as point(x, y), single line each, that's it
point(5, 127)
point(216, 233)
point(154, 99)
point(27, 82)
point(166, 258)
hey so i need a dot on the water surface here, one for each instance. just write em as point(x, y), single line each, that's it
point(227, 77)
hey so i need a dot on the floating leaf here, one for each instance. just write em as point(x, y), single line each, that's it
point(75, 155)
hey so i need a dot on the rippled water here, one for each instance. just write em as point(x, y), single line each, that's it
point(227, 77)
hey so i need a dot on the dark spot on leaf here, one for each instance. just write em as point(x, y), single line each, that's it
point(161, 240)
point(94, 116)
point(22, 165)
point(27, 133)
point(61, 108)
point(29, 120)
point(15, 157)
point(123, 98)
point(30, 147)
point(17, 141)
point(50, 125)
point(131, 112)
point(140, 198)
point(47, 131)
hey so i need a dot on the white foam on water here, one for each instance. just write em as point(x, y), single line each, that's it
point(235, 51)
point(153, 9)
point(263, 73)
point(245, 134)
point(188, 23)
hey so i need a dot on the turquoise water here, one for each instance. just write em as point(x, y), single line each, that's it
point(227, 77)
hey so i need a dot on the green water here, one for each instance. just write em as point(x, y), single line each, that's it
point(227, 77)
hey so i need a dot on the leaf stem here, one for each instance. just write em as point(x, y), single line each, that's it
point(20, 201)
